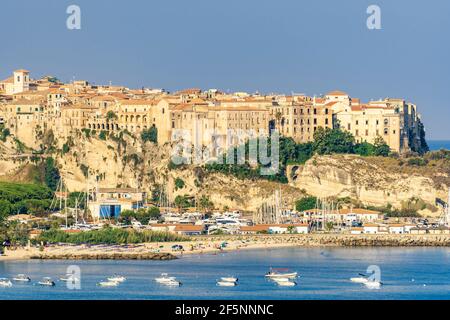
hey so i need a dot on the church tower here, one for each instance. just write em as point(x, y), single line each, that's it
point(21, 81)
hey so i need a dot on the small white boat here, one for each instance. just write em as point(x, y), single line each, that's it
point(274, 273)
point(359, 280)
point(68, 277)
point(5, 283)
point(108, 283)
point(286, 283)
point(164, 278)
point(46, 282)
point(117, 278)
point(281, 279)
point(172, 283)
point(21, 278)
point(226, 283)
point(229, 279)
point(373, 284)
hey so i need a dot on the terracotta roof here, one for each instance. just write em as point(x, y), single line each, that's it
point(188, 227)
point(336, 93)
point(358, 211)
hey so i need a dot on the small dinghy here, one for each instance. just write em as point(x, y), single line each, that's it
point(46, 282)
point(226, 283)
point(229, 279)
point(359, 280)
point(164, 278)
point(108, 283)
point(276, 273)
point(117, 278)
point(172, 283)
point(373, 284)
point(286, 283)
point(21, 278)
point(5, 283)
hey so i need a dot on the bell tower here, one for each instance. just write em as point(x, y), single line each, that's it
point(21, 81)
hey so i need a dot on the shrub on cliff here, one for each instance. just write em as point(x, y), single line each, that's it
point(306, 203)
point(150, 135)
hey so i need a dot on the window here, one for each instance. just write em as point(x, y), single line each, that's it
point(356, 132)
point(386, 122)
point(326, 111)
point(385, 131)
point(367, 122)
point(348, 126)
point(326, 121)
point(367, 133)
point(357, 122)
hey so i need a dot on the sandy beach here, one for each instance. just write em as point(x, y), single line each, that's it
point(213, 244)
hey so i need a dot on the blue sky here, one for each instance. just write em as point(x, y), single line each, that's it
point(268, 46)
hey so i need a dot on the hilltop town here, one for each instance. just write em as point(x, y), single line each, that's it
point(29, 107)
point(115, 146)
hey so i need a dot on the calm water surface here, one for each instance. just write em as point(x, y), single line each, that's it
point(407, 273)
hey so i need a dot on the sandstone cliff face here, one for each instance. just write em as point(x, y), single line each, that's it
point(372, 181)
point(93, 162)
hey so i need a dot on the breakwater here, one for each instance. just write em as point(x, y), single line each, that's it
point(105, 256)
point(344, 240)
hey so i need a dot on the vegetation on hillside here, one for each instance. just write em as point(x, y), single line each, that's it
point(24, 198)
point(108, 235)
point(150, 134)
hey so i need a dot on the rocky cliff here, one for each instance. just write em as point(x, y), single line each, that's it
point(373, 181)
point(125, 161)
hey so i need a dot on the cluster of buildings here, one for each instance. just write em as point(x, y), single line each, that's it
point(29, 107)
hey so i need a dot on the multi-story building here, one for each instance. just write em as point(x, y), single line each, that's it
point(204, 118)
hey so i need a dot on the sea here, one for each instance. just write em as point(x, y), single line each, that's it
point(324, 273)
point(438, 144)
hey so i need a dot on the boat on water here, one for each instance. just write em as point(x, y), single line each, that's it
point(46, 282)
point(117, 278)
point(359, 280)
point(226, 283)
point(286, 283)
point(278, 273)
point(21, 278)
point(172, 283)
point(68, 277)
point(108, 283)
point(164, 278)
point(229, 279)
point(5, 283)
point(373, 284)
point(281, 279)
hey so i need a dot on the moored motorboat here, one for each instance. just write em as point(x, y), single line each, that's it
point(276, 273)
point(164, 278)
point(286, 283)
point(226, 283)
point(21, 278)
point(117, 278)
point(172, 283)
point(281, 279)
point(46, 282)
point(359, 280)
point(5, 282)
point(108, 283)
point(373, 284)
point(229, 279)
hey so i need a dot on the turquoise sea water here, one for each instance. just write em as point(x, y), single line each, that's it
point(407, 273)
point(438, 144)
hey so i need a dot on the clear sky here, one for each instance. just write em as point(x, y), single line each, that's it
point(280, 46)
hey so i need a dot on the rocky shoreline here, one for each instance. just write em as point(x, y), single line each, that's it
point(105, 256)
point(341, 240)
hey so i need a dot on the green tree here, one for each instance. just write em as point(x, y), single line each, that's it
point(150, 135)
point(380, 147)
point(51, 174)
point(329, 141)
point(306, 203)
point(182, 202)
point(179, 183)
point(111, 116)
point(205, 203)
